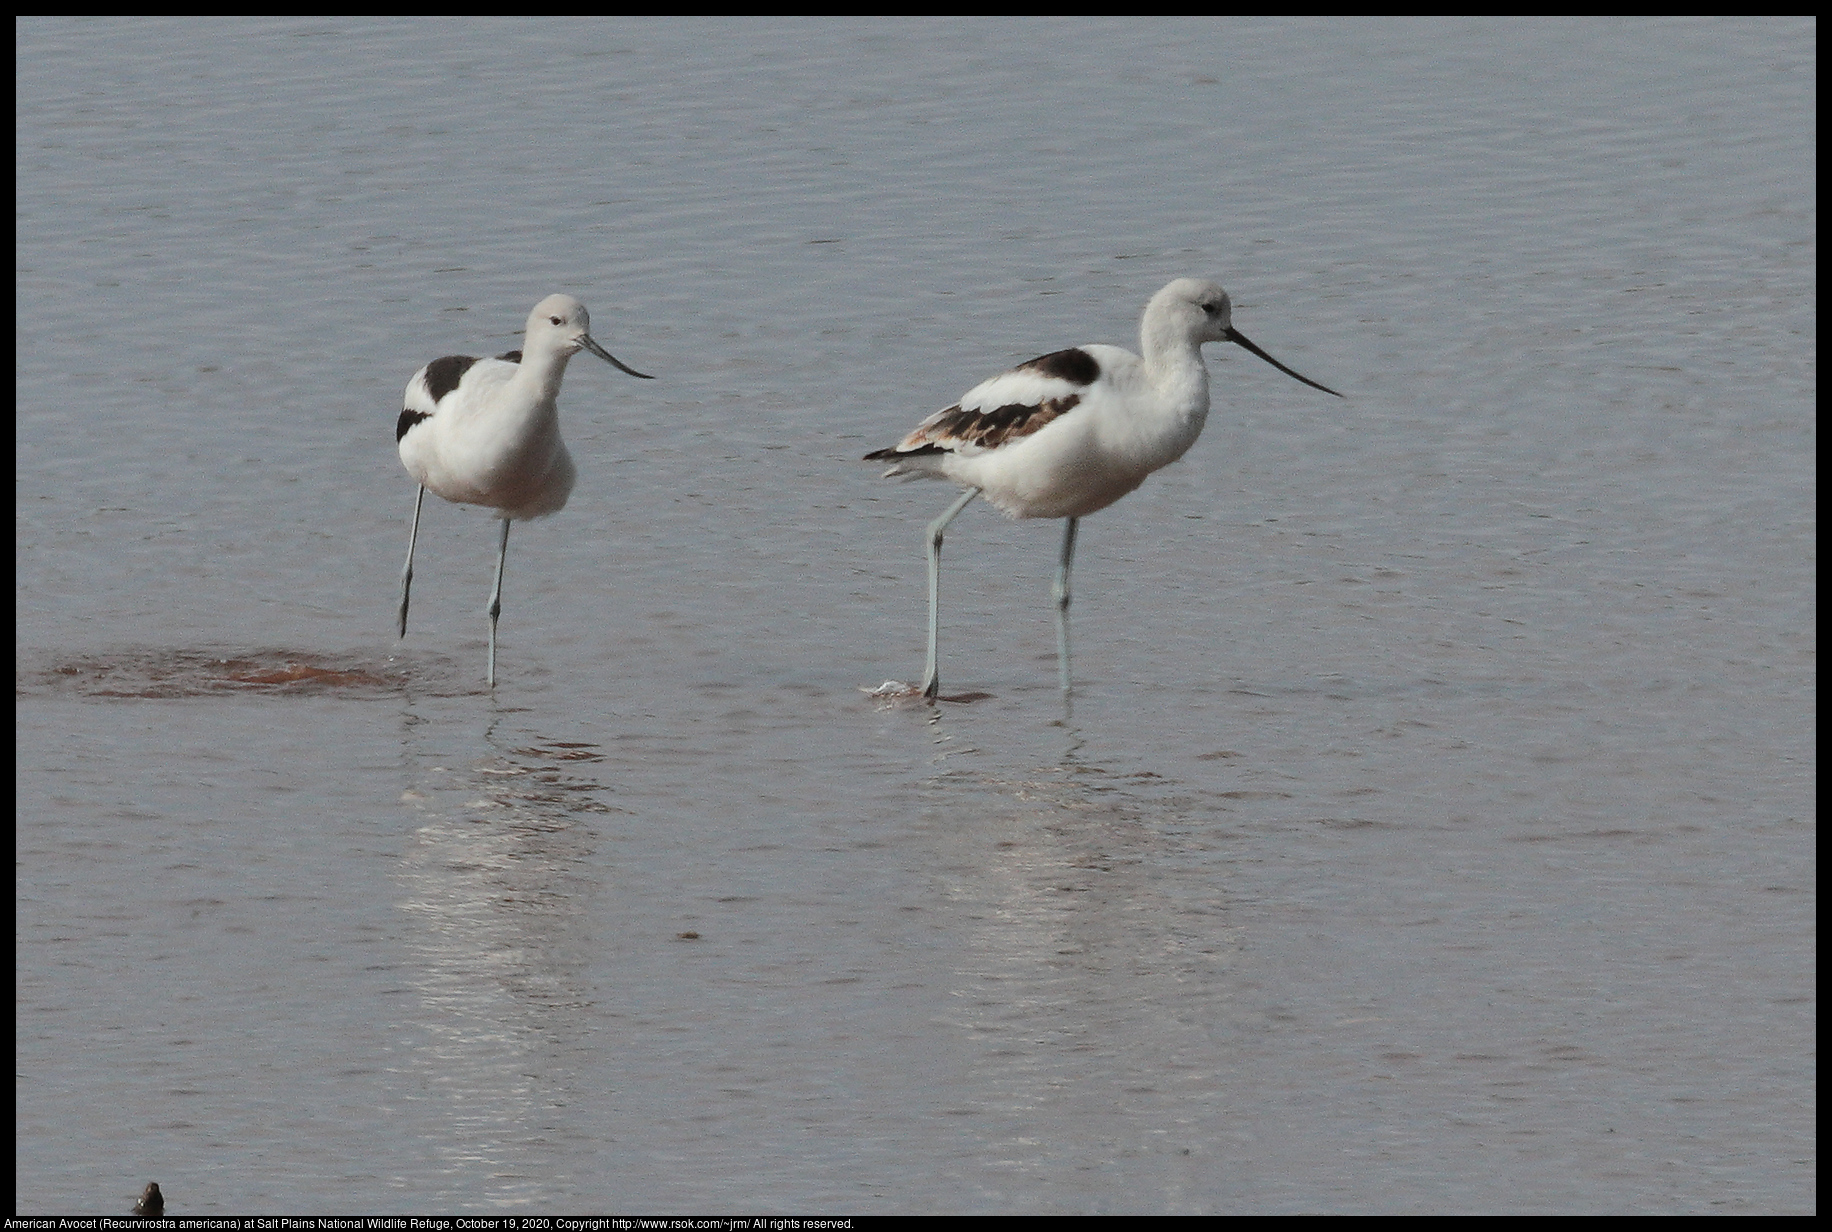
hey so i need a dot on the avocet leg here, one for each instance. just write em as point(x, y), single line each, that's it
point(496, 599)
point(1059, 591)
point(407, 573)
point(931, 682)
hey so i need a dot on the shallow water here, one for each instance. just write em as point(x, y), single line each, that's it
point(1433, 828)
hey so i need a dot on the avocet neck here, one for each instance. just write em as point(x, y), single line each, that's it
point(541, 370)
point(1173, 365)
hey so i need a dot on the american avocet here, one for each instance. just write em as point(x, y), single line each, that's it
point(1068, 433)
point(487, 432)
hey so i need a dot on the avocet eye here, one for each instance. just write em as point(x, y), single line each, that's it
point(556, 320)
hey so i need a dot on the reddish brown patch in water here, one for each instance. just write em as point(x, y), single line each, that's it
point(191, 673)
point(295, 673)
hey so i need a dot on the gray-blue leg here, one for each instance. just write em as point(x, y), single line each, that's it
point(1060, 593)
point(496, 599)
point(400, 619)
point(931, 682)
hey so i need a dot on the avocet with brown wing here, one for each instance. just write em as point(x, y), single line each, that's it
point(1069, 433)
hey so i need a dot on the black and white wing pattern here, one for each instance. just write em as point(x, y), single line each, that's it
point(428, 388)
point(440, 379)
point(1003, 410)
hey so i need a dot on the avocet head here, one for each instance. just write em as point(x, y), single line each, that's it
point(1194, 306)
point(559, 324)
point(1201, 310)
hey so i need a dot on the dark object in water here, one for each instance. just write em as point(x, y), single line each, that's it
point(152, 1203)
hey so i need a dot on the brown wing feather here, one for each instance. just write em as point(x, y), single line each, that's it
point(1023, 406)
point(954, 427)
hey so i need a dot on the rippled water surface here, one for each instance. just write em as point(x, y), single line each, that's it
point(1433, 828)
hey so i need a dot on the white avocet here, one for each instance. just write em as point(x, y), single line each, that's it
point(487, 432)
point(1069, 433)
